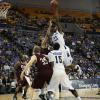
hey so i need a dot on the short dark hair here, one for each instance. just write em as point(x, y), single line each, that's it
point(56, 46)
point(36, 49)
point(24, 58)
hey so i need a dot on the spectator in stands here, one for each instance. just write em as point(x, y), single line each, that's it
point(13, 86)
point(7, 78)
point(1, 84)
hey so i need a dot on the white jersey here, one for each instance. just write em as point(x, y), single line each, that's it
point(56, 56)
point(58, 38)
point(67, 56)
point(78, 69)
point(59, 75)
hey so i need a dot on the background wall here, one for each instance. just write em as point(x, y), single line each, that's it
point(83, 5)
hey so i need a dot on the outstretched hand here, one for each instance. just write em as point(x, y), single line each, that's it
point(54, 6)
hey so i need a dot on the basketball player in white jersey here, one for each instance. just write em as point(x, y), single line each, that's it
point(58, 37)
point(56, 59)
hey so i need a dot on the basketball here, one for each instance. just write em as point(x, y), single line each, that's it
point(54, 3)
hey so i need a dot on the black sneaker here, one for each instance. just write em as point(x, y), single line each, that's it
point(50, 95)
point(14, 97)
point(24, 97)
point(98, 93)
point(42, 96)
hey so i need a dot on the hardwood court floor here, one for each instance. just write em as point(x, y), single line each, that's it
point(85, 95)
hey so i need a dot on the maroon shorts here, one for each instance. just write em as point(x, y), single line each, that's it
point(41, 78)
point(22, 82)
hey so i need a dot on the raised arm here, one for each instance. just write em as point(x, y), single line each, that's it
point(44, 41)
point(28, 65)
point(60, 29)
point(57, 17)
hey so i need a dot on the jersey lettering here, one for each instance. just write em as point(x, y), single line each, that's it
point(44, 60)
point(68, 54)
point(58, 59)
point(55, 38)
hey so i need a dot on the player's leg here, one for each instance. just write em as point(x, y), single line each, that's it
point(44, 88)
point(16, 91)
point(51, 89)
point(68, 85)
point(54, 84)
point(25, 84)
point(44, 80)
point(60, 90)
point(43, 91)
point(25, 91)
point(75, 93)
point(39, 83)
point(42, 94)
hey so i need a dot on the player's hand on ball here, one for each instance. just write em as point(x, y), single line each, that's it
point(54, 3)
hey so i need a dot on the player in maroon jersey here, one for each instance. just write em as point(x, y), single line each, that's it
point(45, 40)
point(20, 83)
point(45, 49)
point(44, 70)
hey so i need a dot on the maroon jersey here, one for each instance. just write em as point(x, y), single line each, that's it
point(44, 71)
point(18, 69)
point(45, 51)
point(42, 63)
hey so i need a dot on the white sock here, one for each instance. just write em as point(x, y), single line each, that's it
point(22, 91)
point(42, 91)
point(79, 98)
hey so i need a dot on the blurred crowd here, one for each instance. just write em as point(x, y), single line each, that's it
point(85, 50)
point(18, 34)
